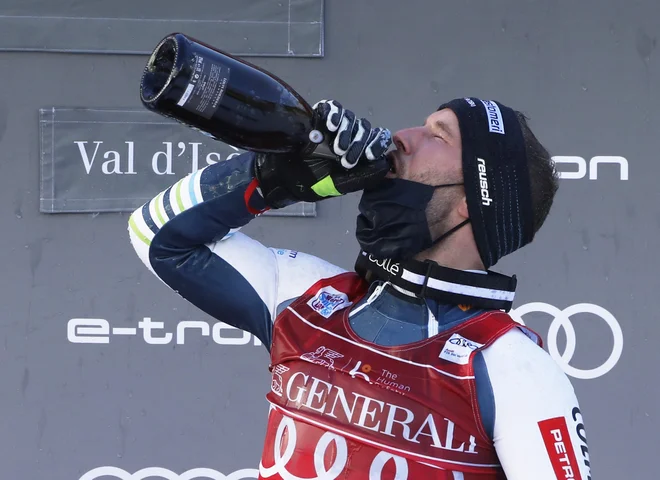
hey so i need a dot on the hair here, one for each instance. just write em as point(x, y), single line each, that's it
point(544, 180)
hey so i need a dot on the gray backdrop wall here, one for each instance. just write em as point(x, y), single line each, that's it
point(585, 72)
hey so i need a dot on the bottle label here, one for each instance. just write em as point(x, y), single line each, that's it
point(207, 86)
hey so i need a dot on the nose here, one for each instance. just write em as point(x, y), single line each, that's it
point(404, 140)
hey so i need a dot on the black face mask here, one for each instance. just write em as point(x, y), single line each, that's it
point(392, 222)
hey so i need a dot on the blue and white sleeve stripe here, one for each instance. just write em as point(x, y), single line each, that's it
point(146, 221)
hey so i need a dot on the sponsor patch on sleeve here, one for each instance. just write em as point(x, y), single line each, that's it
point(458, 349)
point(560, 449)
point(328, 300)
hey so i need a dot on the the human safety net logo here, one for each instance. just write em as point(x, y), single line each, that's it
point(100, 331)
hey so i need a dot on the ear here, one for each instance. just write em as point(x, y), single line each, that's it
point(463, 208)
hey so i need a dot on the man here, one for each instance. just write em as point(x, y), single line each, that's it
point(410, 366)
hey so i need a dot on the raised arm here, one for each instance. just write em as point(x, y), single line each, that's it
point(188, 237)
point(188, 234)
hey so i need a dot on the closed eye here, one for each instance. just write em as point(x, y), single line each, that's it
point(440, 126)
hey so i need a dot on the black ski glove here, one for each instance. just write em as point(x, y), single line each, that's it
point(360, 161)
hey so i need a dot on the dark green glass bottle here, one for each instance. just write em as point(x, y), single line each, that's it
point(228, 99)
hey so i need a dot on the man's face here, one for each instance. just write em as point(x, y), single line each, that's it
point(430, 154)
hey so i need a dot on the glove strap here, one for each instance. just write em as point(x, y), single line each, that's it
point(248, 195)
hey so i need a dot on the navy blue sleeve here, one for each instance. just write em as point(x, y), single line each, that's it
point(174, 235)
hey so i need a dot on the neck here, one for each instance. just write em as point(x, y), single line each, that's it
point(457, 251)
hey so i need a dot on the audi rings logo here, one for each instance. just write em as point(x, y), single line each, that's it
point(562, 319)
point(287, 436)
point(158, 473)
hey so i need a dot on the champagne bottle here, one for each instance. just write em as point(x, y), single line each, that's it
point(229, 99)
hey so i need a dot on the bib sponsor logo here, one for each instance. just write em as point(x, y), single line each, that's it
point(348, 407)
point(276, 380)
point(458, 349)
point(560, 449)
point(328, 300)
point(333, 458)
point(384, 377)
point(322, 356)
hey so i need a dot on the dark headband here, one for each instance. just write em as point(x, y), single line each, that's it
point(496, 177)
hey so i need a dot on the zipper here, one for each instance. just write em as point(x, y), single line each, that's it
point(374, 295)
